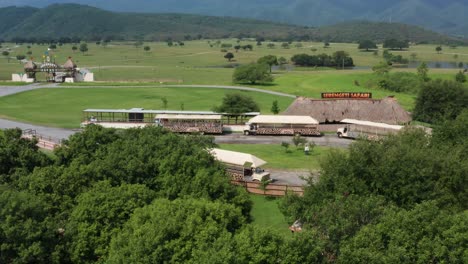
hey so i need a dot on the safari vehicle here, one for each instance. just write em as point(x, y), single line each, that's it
point(241, 166)
point(282, 125)
point(365, 129)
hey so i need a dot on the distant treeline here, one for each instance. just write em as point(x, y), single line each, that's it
point(338, 59)
point(65, 23)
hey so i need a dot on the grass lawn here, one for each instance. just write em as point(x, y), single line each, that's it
point(266, 214)
point(13, 83)
point(197, 62)
point(63, 107)
point(277, 158)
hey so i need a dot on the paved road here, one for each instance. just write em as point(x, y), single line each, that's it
point(54, 133)
point(9, 90)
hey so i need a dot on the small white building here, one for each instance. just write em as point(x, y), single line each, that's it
point(21, 77)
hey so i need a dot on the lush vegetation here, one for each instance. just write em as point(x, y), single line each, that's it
point(252, 73)
point(402, 199)
point(337, 59)
point(153, 196)
point(66, 21)
point(438, 100)
point(236, 103)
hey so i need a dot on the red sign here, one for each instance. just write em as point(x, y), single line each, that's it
point(346, 95)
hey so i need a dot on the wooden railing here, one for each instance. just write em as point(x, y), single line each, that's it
point(42, 141)
point(270, 189)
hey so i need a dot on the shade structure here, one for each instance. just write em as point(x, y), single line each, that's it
point(283, 119)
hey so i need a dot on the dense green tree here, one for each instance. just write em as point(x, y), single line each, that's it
point(338, 59)
point(400, 82)
point(334, 219)
point(252, 73)
point(147, 48)
point(236, 103)
point(6, 54)
point(18, 156)
point(382, 68)
point(74, 48)
point(99, 214)
point(422, 72)
point(25, 234)
point(438, 49)
point(257, 245)
point(342, 58)
point(83, 47)
point(425, 234)
point(237, 47)
point(395, 44)
point(282, 60)
point(438, 99)
point(391, 58)
point(82, 146)
point(247, 47)
point(367, 44)
point(52, 46)
point(229, 56)
point(460, 77)
point(270, 60)
point(405, 169)
point(285, 45)
point(275, 108)
point(174, 231)
point(20, 57)
point(271, 45)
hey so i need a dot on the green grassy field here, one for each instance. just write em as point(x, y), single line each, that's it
point(266, 214)
point(277, 158)
point(63, 107)
point(197, 62)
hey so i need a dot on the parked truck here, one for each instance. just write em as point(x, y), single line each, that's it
point(241, 166)
point(365, 129)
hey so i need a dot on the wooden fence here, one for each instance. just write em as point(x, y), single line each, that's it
point(270, 189)
point(42, 141)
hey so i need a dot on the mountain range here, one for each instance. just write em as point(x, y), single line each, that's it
point(22, 24)
point(446, 16)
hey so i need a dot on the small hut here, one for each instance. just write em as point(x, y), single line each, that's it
point(69, 64)
point(30, 69)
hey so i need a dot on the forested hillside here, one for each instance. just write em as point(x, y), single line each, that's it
point(448, 16)
point(85, 22)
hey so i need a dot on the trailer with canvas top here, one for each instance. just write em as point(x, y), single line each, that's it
point(282, 125)
point(241, 166)
point(365, 129)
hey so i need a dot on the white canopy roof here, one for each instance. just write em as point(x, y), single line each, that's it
point(185, 117)
point(236, 158)
point(283, 119)
point(143, 111)
point(372, 124)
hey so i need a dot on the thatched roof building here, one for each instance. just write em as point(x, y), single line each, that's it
point(69, 64)
point(386, 110)
point(30, 65)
